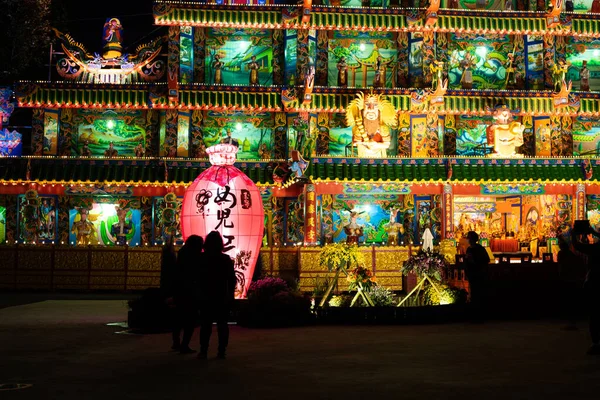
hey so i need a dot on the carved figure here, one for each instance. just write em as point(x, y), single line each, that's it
point(120, 230)
point(111, 151)
point(353, 230)
point(371, 118)
point(511, 81)
point(253, 66)
point(437, 72)
point(559, 72)
point(342, 67)
point(218, 65)
point(584, 76)
point(561, 99)
point(111, 38)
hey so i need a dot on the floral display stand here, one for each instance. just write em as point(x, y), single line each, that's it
point(344, 258)
point(428, 265)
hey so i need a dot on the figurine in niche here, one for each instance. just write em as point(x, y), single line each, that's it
point(120, 230)
point(309, 77)
point(584, 76)
point(379, 72)
point(505, 134)
point(342, 67)
point(466, 80)
point(511, 80)
point(559, 73)
point(394, 228)
point(263, 151)
point(218, 65)
point(229, 139)
point(437, 73)
point(48, 219)
point(139, 150)
point(111, 151)
point(85, 150)
point(298, 165)
point(83, 229)
point(371, 117)
point(569, 7)
point(508, 5)
point(200, 151)
point(253, 66)
point(353, 230)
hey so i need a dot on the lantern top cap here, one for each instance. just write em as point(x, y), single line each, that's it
point(222, 154)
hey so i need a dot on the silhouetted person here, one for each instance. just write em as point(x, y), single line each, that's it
point(216, 293)
point(572, 276)
point(168, 276)
point(591, 286)
point(476, 265)
point(188, 261)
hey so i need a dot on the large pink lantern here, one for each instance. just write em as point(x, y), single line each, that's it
point(224, 199)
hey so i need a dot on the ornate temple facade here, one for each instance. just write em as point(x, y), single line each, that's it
point(397, 117)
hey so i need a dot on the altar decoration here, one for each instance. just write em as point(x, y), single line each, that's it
point(448, 249)
point(426, 265)
point(224, 199)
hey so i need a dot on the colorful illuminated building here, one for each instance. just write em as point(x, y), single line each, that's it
point(394, 116)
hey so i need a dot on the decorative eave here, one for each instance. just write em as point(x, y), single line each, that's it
point(73, 95)
point(230, 99)
point(176, 13)
point(151, 171)
point(179, 13)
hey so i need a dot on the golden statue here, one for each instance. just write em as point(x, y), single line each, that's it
point(84, 229)
point(371, 117)
point(505, 134)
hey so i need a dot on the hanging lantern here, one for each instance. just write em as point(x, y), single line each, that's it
point(224, 199)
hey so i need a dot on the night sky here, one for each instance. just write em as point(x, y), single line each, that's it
point(85, 20)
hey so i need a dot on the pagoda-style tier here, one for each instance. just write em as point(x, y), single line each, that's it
point(151, 171)
point(273, 99)
point(394, 19)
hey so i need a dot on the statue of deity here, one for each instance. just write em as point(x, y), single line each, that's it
point(342, 67)
point(353, 230)
point(83, 229)
point(584, 78)
point(559, 72)
point(371, 117)
point(111, 39)
point(505, 134)
point(120, 230)
point(218, 65)
point(393, 228)
point(253, 66)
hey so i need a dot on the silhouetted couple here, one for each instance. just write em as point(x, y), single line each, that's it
point(204, 287)
point(591, 286)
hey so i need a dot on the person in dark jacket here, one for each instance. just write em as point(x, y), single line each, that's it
point(476, 265)
point(591, 286)
point(217, 283)
point(572, 276)
point(188, 261)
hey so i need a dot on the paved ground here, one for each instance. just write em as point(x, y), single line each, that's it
point(67, 351)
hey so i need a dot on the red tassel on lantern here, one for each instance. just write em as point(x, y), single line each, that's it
point(224, 199)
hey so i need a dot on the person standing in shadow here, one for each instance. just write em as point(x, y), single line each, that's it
point(216, 293)
point(168, 276)
point(476, 269)
point(572, 276)
point(188, 261)
point(591, 286)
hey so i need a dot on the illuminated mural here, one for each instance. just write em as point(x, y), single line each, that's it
point(486, 60)
point(340, 136)
point(252, 133)
point(239, 57)
point(471, 135)
point(94, 132)
point(362, 59)
point(586, 137)
point(37, 218)
point(580, 51)
point(101, 225)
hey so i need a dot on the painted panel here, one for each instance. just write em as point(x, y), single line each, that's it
point(51, 127)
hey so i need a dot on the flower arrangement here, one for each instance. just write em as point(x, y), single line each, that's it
point(361, 277)
point(337, 255)
point(382, 297)
point(430, 263)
